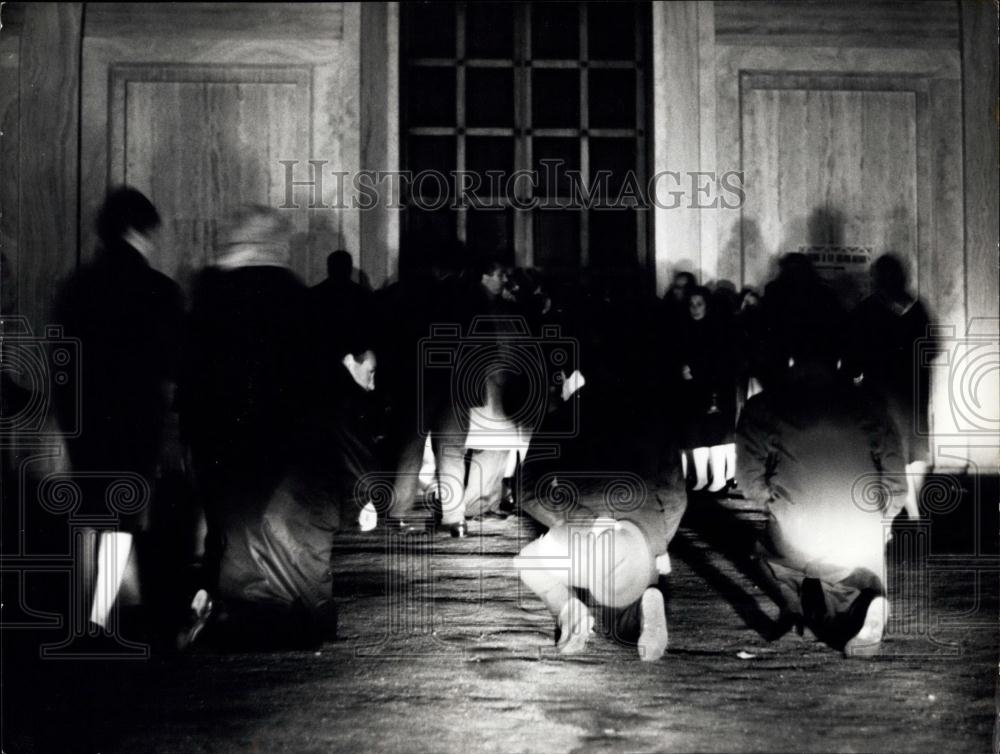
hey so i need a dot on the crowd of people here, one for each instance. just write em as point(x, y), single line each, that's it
point(478, 390)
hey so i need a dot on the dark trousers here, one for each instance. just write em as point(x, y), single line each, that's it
point(831, 604)
point(448, 424)
point(624, 625)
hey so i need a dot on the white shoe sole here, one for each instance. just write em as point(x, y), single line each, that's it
point(653, 638)
point(575, 636)
point(868, 640)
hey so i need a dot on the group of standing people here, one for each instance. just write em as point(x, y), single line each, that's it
point(725, 347)
point(282, 420)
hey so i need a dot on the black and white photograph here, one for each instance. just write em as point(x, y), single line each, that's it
point(458, 377)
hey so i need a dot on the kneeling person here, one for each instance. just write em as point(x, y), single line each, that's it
point(616, 556)
point(813, 452)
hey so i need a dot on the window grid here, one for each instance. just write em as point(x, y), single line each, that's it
point(524, 133)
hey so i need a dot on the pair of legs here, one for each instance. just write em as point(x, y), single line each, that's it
point(447, 440)
point(495, 446)
point(720, 460)
point(613, 562)
point(843, 603)
point(915, 450)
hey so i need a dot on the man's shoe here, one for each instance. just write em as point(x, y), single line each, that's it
point(653, 619)
point(869, 639)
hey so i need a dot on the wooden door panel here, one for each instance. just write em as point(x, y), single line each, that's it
point(828, 168)
point(202, 142)
point(847, 146)
point(201, 122)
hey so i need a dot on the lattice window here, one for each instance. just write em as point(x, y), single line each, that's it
point(507, 86)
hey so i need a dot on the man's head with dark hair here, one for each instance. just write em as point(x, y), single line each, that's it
point(698, 302)
point(125, 213)
point(491, 274)
point(889, 276)
point(339, 265)
point(681, 286)
point(356, 352)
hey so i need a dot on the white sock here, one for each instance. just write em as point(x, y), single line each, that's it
point(730, 460)
point(700, 456)
point(112, 558)
point(717, 463)
point(915, 474)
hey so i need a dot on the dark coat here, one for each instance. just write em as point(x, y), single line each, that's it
point(129, 319)
point(820, 456)
point(707, 408)
point(341, 314)
point(245, 391)
point(893, 351)
point(800, 316)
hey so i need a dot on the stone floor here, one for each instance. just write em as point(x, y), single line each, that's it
point(441, 651)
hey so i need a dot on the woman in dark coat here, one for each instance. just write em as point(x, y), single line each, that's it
point(707, 392)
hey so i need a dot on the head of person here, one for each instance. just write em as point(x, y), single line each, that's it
point(797, 271)
point(339, 265)
point(749, 299)
point(356, 350)
point(492, 276)
point(361, 363)
point(256, 236)
point(361, 366)
point(682, 286)
point(128, 219)
point(889, 276)
point(698, 303)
